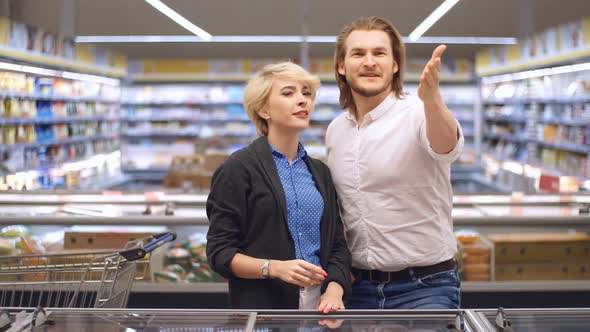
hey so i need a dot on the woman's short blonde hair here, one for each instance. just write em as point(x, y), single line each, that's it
point(258, 89)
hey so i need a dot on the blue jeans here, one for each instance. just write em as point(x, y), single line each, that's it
point(441, 290)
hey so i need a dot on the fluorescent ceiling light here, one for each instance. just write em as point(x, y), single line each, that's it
point(536, 73)
point(56, 73)
point(283, 39)
point(183, 22)
point(432, 18)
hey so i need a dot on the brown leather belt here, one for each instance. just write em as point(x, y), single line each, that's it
point(405, 274)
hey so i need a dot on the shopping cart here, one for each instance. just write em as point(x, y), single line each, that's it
point(81, 280)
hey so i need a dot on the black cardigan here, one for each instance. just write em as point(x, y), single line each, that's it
point(248, 214)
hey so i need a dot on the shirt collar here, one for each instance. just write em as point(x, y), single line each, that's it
point(378, 111)
point(301, 153)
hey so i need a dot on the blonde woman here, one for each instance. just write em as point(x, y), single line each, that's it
point(275, 230)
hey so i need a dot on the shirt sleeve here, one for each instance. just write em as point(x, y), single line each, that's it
point(226, 208)
point(449, 157)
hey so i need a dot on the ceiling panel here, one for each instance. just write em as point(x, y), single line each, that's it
point(498, 18)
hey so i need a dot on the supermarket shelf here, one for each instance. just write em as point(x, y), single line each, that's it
point(323, 119)
point(53, 164)
point(569, 122)
point(18, 95)
point(544, 169)
point(533, 222)
point(505, 118)
point(65, 119)
point(537, 100)
point(50, 220)
point(324, 77)
point(466, 286)
point(529, 64)
point(192, 199)
point(464, 118)
point(200, 219)
point(186, 78)
point(106, 182)
point(80, 139)
point(54, 61)
point(458, 103)
point(165, 134)
point(571, 147)
point(184, 104)
point(496, 186)
point(511, 138)
point(184, 119)
point(469, 133)
point(66, 197)
point(172, 134)
point(525, 286)
point(457, 169)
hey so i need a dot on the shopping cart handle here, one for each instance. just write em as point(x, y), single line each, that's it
point(160, 239)
point(140, 252)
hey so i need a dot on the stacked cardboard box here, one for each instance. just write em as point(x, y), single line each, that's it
point(477, 252)
point(541, 256)
point(193, 171)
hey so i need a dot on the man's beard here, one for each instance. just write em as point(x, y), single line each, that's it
point(368, 92)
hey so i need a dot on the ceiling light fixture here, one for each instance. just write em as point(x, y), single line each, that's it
point(431, 19)
point(183, 22)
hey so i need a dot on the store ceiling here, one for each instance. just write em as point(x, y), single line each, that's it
point(497, 18)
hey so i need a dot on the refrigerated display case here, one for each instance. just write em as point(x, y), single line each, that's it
point(538, 320)
point(185, 214)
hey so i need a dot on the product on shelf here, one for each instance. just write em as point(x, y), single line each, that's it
point(477, 252)
point(193, 171)
point(551, 256)
point(157, 116)
point(101, 240)
point(187, 262)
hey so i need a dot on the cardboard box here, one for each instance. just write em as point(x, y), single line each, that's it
point(538, 248)
point(100, 240)
point(214, 160)
point(572, 270)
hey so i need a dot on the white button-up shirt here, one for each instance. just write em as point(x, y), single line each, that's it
point(395, 191)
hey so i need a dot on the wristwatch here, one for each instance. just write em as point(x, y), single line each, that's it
point(264, 269)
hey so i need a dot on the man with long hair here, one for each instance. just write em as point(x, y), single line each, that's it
point(390, 155)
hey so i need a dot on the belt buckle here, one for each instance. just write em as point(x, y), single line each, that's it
point(372, 280)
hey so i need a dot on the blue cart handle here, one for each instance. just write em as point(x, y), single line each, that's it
point(140, 252)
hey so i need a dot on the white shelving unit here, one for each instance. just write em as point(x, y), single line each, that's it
point(160, 120)
point(537, 126)
point(57, 132)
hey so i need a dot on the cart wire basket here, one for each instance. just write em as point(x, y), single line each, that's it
point(78, 280)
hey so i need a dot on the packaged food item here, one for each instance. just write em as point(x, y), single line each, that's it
point(6, 247)
point(14, 231)
point(467, 236)
point(166, 276)
point(176, 269)
point(178, 255)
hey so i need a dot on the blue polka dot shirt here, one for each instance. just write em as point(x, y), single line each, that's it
point(305, 205)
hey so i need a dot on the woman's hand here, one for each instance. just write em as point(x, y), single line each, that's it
point(331, 300)
point(297, 272)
